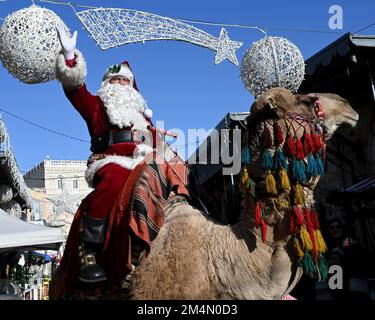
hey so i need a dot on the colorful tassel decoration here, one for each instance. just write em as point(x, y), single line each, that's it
point(258, 215)
point(250, 185)
point(267, 138)
point(308, 263)
point(323, 269)
point(300, 220)
point(311, 168)
point(290, 146)
point(297, 246)
point(284, 182)
point(310, 229)
point(264, 230)
point(305, 238)
point(320, 243)
point(317, 144)
point(246, 156)
point(292, 224)
point(307, 142)
point(299, 195)
point(315, 219)
point(300, 152)
point(245, 177)
point(271, 183)
point(298, 170)
point(280, 161)
point(278, 134)
point(319, 165)
point(267, 161)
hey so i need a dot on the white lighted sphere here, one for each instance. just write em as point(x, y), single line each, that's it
point(29, 44)
point(272, 62)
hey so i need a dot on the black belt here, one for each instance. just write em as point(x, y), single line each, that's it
point(103, 141)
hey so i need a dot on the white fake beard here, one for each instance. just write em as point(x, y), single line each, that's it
point(124, 105)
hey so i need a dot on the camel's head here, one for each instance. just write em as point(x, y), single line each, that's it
point(280, 101)
point(337, 112)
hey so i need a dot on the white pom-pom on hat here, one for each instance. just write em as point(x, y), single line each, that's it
point(148, 113)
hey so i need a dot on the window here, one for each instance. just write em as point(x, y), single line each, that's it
point(60, 183)
point(75, 183)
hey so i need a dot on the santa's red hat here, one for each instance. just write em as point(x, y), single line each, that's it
point(123, 70)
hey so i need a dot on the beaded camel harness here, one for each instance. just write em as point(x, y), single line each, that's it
point(276, 169)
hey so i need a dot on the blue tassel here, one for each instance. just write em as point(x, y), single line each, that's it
point(280, 161)
point(267, 161)
point(298, 170)
point(246, 156)
point(311, 169)
point(319, 165)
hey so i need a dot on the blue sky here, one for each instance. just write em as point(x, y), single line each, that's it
point(180, 81)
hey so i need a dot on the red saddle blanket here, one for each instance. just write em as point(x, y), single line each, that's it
point(138, 209)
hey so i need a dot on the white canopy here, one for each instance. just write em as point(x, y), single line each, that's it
point(16, 233)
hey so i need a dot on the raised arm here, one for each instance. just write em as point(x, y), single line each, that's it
point(71, 71)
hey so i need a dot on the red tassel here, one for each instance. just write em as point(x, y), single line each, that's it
point(300, 153)
point(278, 133)
point(267, 138)
point(317, 144)
point(307, 143)
point(300, 220)
point(264, 231)
point(310, 229)
point(290, 146)
point(315, 219)
point(258, 215)
point(292, 224)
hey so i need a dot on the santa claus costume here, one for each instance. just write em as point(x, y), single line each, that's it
point(118, 120)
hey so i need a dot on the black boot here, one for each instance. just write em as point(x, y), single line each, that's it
point(90, 271)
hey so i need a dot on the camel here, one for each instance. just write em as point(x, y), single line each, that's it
point(195, 257)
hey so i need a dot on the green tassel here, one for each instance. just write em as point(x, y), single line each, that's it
point(323, 268)
point(251, 186)
point(308, 264)
point(246, 156)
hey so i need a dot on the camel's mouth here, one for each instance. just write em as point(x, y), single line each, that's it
point(351, 119)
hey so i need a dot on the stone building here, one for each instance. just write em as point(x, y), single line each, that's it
point(57, 188)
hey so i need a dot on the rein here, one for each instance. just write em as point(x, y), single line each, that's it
point(282, 162)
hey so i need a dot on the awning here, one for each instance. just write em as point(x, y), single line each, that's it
point(17, 234)
point(362, 185)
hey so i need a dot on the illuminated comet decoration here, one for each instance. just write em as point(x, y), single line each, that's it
point(114, 27)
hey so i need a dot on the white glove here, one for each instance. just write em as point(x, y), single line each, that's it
point(68, 44)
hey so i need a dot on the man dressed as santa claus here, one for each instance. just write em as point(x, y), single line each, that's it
point(118, 122)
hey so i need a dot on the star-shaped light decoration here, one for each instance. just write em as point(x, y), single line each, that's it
point(112, 27)
point(226, 48)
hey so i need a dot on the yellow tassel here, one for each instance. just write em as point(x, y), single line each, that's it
point(284, 180)
point(282, 204)
point(305, 238)
point(271, 183)
point(320, 243)
point(297, 245)
point(299, 195)
point(245, 177)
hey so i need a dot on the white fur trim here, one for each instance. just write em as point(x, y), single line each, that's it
point(125, 162)
point(124, 72)
point(71, 77)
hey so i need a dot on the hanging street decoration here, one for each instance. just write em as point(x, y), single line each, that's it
point(272, 62)
point(114, 27)
point(29, 44)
